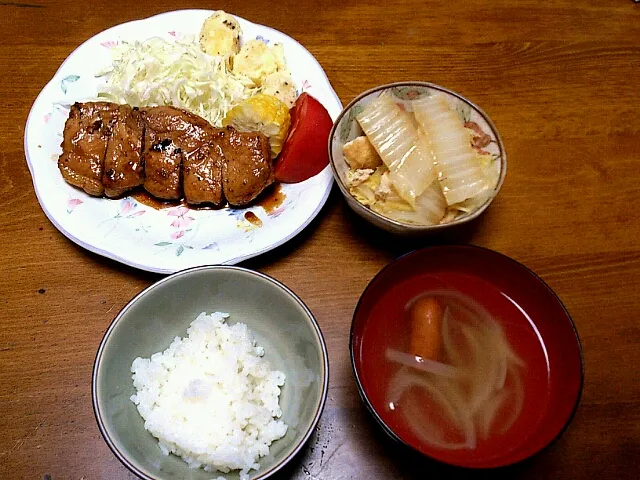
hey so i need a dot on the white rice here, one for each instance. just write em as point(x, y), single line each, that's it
point(210, 397)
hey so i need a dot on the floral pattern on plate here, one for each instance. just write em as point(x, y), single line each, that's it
point(170, 239)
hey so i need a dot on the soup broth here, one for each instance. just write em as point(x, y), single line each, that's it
point(468, 389)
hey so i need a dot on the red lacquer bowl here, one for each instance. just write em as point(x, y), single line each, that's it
point(533, 318)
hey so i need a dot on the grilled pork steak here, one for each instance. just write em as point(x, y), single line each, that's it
point(123, 164)
point(111, 149)
point(202, 153)
point(84, 144)
point(248, 168)
point(163, 170)
point(187, 130)
point(202, 175)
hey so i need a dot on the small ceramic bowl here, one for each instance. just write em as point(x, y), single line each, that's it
point(535, 323)
point(281, 323)
point(346, 128)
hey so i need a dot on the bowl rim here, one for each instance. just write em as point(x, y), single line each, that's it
point(408, 227)
point(518, 264)
point(313, 322)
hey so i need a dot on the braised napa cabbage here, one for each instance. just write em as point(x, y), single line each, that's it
point(406, 154)
point(459, 171)
point(430, 174)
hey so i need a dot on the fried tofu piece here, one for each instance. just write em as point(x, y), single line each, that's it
point(359, 153)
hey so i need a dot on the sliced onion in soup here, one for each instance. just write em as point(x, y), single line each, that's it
point(422, 364)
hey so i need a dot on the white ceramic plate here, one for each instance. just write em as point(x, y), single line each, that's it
point(172, 239)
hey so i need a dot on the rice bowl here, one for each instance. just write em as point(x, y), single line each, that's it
point(280, 323)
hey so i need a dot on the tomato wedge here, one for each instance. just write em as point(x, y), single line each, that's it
point(304, 153)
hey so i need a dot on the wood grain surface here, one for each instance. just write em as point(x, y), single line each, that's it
point(560, 79)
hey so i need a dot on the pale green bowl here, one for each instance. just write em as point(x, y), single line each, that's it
point(282, 324)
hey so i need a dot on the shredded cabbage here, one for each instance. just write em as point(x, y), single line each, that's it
point(160, 72)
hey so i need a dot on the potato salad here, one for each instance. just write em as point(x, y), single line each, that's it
point(208, 76)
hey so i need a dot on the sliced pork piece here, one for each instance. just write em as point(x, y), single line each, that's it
point(202, 175)
point(84, 144)
point(187, 130)
point(248, 168)
point(163, 170)
point(123, 165)
point(200, 144)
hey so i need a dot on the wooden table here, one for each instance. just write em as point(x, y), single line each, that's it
point(560, 79)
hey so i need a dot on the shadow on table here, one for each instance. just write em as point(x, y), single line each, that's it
point(398, 245)
point(371, 454)
point(354, 227)
point(351, 225)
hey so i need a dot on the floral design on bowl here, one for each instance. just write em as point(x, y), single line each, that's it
point(485, 140)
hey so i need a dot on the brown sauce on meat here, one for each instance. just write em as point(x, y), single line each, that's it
point(272, 198)
point(253, 219)
point(145, 198)
point(111, 149)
